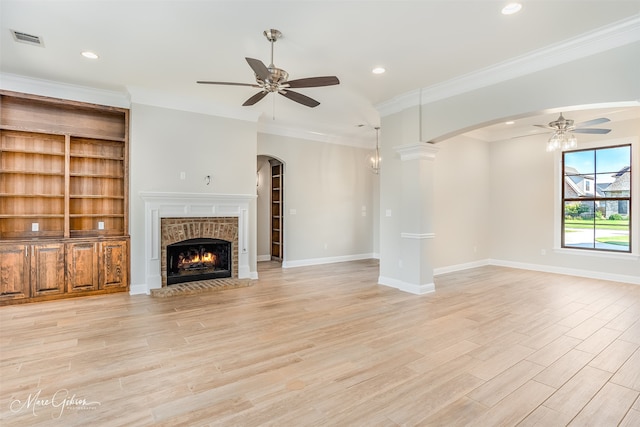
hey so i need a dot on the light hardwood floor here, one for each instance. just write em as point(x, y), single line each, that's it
point(326, 346)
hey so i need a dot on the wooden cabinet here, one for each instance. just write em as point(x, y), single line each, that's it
point(29, 271)
point(47, 269)
point(15, 282)
point(82, 266)
point(63, 181)
point(114, 265)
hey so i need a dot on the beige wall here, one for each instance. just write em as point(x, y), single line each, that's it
point(327, 186)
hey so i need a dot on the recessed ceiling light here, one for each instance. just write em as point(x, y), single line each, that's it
point(378, 70)
point(90, 55)
point(511, 8)
point(510, 122)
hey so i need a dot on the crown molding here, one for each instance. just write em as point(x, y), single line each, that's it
point(329, 138)
point(68, 91)
point(618, 34)
point(417, 151)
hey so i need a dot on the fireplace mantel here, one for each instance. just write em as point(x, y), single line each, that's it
point(176, 205)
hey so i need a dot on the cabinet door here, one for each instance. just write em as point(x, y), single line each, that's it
point(82, 267)
point(47, 269)
point(14, 272)
point(114, 265)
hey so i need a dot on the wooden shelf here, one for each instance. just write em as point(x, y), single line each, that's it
point(31, 215)
point(95, 196)
point(88, 156)
point(18, 195)
point(95, 175)
point(28, 127)
point(64, 167)
point(25, 151)
point(32, 172)
point(276, 209)
point(97, 215)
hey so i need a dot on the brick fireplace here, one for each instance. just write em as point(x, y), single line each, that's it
point(176, 230)
point(219, 216)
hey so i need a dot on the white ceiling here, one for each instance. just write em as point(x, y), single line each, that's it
point(163, 47)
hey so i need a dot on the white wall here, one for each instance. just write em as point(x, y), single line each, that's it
point(165, 142)
point(327, 185)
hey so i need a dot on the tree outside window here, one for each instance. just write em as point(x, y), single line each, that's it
point(596, 198)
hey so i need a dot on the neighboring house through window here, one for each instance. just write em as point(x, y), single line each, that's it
point(596, 198)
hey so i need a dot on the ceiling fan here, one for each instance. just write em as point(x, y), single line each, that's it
point(566, 125)
point(563, 137)
point(272, 79)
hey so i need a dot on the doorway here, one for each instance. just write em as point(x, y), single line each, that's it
point(270, 209)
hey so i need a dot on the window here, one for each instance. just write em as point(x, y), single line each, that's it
point(596, 199)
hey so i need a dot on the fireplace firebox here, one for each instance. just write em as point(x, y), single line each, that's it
point(198, 259)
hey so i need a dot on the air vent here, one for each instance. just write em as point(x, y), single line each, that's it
point(27, 38)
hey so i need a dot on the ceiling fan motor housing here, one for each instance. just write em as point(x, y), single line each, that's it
point(273, 83)
point(562, 123)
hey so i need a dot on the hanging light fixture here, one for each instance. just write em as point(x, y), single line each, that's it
point(562, 140)
point(375, 157)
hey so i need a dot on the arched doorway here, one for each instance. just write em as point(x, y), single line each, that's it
point(270, 209)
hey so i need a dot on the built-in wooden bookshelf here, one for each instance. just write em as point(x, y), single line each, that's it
point(63, 181)
point(276, 209)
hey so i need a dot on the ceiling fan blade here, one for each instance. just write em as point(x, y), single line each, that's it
point(546, 127)
point(592, 122)
point(313, 82)
point(300, 98)
point(255, 98)
point(204, 82)
point(259, 68)
point(592, 131)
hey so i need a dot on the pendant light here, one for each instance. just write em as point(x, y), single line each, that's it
point(375, 158)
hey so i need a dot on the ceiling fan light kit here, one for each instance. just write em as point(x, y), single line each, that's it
point(562, 140)
point(272, 79)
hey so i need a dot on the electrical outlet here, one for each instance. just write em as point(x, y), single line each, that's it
point(35, 226)
point(183, 175)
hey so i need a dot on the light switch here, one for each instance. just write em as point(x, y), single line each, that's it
point(35, 226)
point(100, 225)
point(292, 212)
point(183, 175)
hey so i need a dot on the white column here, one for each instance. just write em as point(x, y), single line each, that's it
point(416, 218)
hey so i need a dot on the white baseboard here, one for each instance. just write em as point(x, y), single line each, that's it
point(261, 258)
point(539, 267)
point(138, 289)
point(328, 260)
point(568, 271)
point(460, 267)
point(407, 287)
